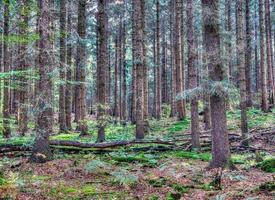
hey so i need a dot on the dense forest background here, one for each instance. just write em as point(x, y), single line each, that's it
point(194, 78)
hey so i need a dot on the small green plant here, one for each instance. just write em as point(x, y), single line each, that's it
point(97, 166)
point(124, 177)
point(267, 165)
point(268, 186)
point(193, 155)
point(158, 182)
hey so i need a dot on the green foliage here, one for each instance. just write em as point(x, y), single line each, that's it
point(181, 189)
point(147, 160)
point(267, 165)
point(124, 177)
point(173, 196)
point(165, 111)
point(97, 166)
point(153, 197)
point(158, 182)
point(268, 186)
point(180, 126)
point(192, 155)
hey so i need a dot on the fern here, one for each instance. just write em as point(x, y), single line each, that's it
point(124, 177)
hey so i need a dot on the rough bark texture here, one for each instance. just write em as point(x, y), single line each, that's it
point(220, 142)
point(242, 69)
point(248, 58)
point(256, 56)
point(80, 90)
point(229, 44)
point(133, 96)
point(41, 149)
point(192, 69)
point(23, 66)
point(62, 69)
point(116, 84)
point(139, 61)
point(164, 77)
point(264, 104)
point(178, 63)
point(145, 71)
point(158, 67)
point(6, 112)
point(101, 71)
point(271, 89)
point(69, 93)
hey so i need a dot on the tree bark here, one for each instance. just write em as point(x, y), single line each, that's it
point(101, 71)
point(139, 61)
point(220, 142)
point(41, 150)
point(158, 67)
point(133, 96)
point(248, 51)
point(264, 103)
point(68, 92)
point(80, 90)
point(6, 112)
point(178, 64)
point(23, 66)
point(62, 69)
point(271, 88)
point(192, 69)
point(242, 69)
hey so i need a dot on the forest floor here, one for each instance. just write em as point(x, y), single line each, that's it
point(148, 172)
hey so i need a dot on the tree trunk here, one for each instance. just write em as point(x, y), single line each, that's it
point(80, 92)
point(220, 142)
point(256, 69)
point(133, 96)
point(164, 81)
point(178, 63)
point(139, 62)
point(248, 58)
point(158, 67)
point(264, 103)
point(116, 88)
point(192, 69)
point(101, 71)
point(229, 45)
point(6, 112)
point(271, 89)
point(41, 150)
point(62, 69)
point(23, 66)
point(69, 93)
point(145, 71)
point(242, 69)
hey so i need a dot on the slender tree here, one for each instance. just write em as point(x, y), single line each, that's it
point(241, 69)
point(101, 70)
point(264, 103)
point(62, 40)
point(270, 67)
point(178, 64)
point(69, 52)
point(139, 61)
point(220, 142)
point(80, 90)
point(41, 150)
point(158, 67)
point(23, 66)
point(6, 112)
point(192, 74)
point(248, 52)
